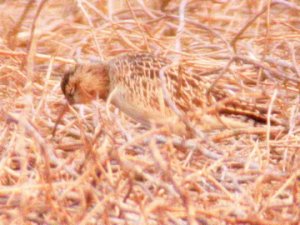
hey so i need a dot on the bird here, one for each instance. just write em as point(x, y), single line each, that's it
point(151, 89)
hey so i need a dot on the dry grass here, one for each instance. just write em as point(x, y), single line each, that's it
point(110, 171)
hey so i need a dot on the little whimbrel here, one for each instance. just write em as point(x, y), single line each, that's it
point(133, 83)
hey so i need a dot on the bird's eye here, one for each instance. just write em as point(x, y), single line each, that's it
point(71, 91)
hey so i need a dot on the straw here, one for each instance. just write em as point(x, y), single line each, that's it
point(102, 167)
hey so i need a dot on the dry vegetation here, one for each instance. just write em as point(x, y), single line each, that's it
point(108, 170)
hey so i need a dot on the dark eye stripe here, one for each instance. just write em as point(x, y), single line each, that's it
point(65, 81)
point(72, 91)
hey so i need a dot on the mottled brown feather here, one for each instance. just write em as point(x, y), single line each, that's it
point(133, 83)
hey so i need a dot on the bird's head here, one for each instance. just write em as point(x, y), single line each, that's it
point(86, 82)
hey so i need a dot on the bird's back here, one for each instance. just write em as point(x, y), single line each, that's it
point(137, 87)
point(138, 78)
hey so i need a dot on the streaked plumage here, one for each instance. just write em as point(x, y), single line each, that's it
point(133, 83)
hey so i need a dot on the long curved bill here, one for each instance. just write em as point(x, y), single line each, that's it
point(62, 112)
